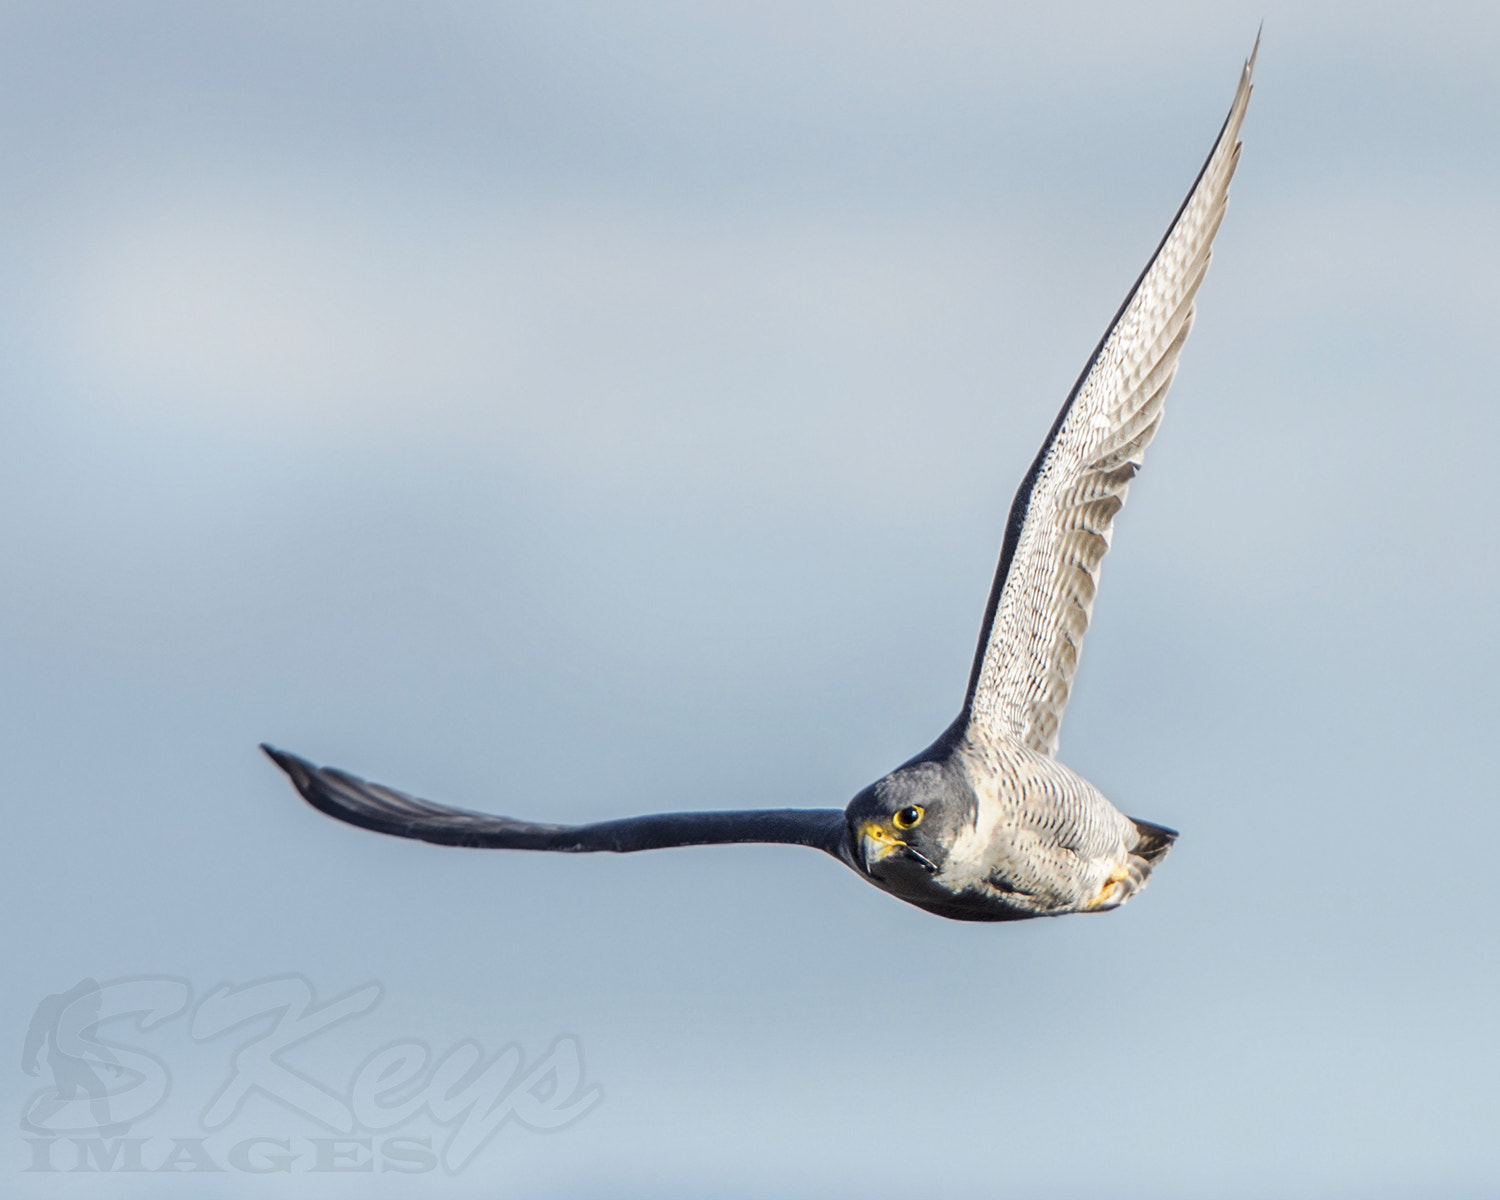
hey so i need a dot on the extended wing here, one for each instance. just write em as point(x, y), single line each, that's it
point(385, 810)
point(1061, 518)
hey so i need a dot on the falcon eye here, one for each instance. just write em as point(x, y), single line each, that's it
point(909, 816)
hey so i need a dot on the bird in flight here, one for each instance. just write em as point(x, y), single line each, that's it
point(985, 824)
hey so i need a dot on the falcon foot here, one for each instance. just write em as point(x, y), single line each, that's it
point(1106, 893)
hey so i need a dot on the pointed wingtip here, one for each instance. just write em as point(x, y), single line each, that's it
point(298, 770)
point(1242, 92)
point(317, 785)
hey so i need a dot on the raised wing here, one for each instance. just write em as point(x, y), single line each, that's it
point(385, 810)
point(1061, 518)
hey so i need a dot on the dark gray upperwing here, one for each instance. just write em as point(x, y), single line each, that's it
point(385, 810)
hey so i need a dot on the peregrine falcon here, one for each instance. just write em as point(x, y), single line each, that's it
point(985, 824)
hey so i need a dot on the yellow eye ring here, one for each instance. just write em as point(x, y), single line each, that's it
point(908, 816)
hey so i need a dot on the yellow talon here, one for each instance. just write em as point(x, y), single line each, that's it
point(1108, 890)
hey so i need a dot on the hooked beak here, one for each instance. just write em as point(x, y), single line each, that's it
point(876, 844)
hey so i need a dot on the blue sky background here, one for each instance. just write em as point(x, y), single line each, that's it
point(576, 410)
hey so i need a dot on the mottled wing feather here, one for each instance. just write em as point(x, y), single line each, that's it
point(385, 810)
point(1062, 517)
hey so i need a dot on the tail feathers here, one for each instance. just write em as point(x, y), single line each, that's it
point(1151, 846)
point(1152, 842)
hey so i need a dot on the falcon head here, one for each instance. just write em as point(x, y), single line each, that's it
point(902, 828)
